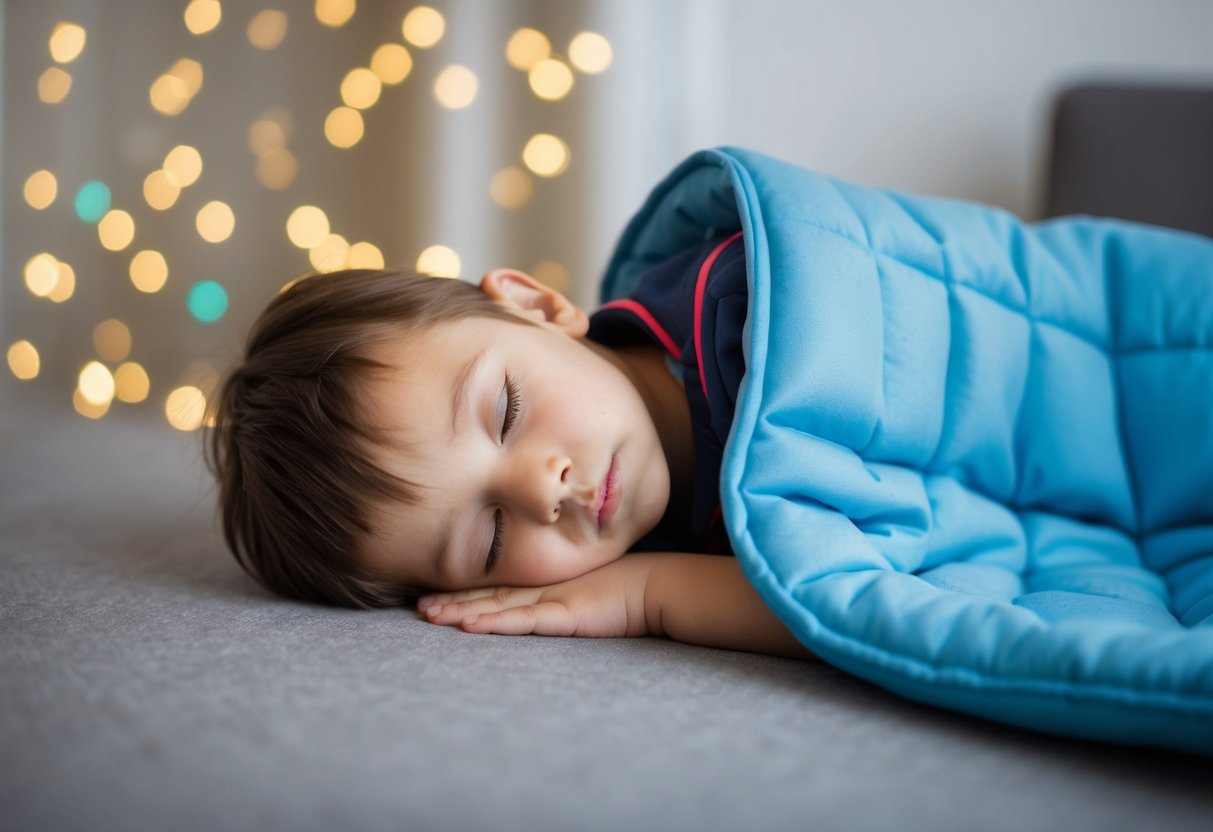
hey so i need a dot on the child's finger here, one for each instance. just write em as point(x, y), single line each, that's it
point(456, 611)
point(546, 619)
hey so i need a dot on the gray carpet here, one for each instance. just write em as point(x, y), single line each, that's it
point(146, 683)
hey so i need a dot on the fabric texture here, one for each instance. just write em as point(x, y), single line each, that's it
point(972, 459)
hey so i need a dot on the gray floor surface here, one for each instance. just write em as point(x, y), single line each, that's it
point(146, 683)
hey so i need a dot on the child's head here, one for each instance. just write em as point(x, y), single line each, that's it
point(386, 432)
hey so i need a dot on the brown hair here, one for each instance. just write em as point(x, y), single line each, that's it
point(290, 446)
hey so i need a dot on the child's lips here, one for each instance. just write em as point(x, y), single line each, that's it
point(608, 496)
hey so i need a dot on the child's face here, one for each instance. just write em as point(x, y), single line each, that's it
point(538, 459)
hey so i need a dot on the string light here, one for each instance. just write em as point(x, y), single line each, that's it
point(24, 361)
point(53, 85)
point(267, 29)
point(112, 339)
point(207, 301)
point(360, 88)
point(215, 221)
point(335, 13)
point(344, 127)
point(590, 53)
point(116, 230)
point(41, 274)
point(65, 286)
point(331, 254)
point(41, 188)
point(96, 383)
point(67, 41)
point(149, 271)
point(92, 201)
point(202, 16)
point(365, 255)
point(527, 47)
point(185, 408)
point(546, 155)
point(131, 384)
point(160, 190)
point(550, 79)
point(423, 27)
point(307, 226)
point(455, 87)
point(511, 188)
point(439, 261)
point(184, 164)
point(392, 63)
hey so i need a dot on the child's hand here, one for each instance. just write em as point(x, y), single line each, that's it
point(605, 603)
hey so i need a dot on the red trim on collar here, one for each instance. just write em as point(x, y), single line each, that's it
point(647, 318)
point(701, 285)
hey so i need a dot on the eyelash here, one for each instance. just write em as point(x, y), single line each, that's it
point(512, 406)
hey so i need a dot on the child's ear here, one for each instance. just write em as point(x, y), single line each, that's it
point(532, 300)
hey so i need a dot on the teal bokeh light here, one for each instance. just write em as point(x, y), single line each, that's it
point(207, 301)
point(92, 201)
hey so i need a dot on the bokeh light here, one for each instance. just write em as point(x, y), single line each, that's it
point(53, 85)
point(265, 136)
point(527, 47)
point(307, 226)
point(546, 155)
point(333, 253)
point(92, 201)
point(392, 63)
point(590, 53)
point(67, 41)
point(172, 92)
point(116, 230)
point(41, 274)
point(96, 383)
point(131, 384)
point(65, 286)
point(360, 88)
point(335, 13)
point(267, 29)
point(550, 79)
point(365, 255)
point(455, 87)
point(202, 16)
point(149, 271)
point(185, 408)
point(552, 273)
point(511, 188)
point(160, 190)
point(207, 301)
point(41, 188)
point(23, 360)
point(344, 127)
point(112, 339)
point(184, 164)
point(423, 27)
point(215, 221)
point(439, 261)
point(277, 169)
point(86, 408)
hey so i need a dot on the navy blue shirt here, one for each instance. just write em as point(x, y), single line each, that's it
point(693, 306)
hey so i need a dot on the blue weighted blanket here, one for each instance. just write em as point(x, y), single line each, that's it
point(972, 458)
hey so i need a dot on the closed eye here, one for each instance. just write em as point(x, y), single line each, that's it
point(495, 548)
point(508, 406)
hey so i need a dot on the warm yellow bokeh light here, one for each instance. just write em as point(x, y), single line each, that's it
point(149, 271)
point(185, 408)
point(455, 87)
point(96, 383)
point(551, 79)
point(184, 164)
point(267, 29)
point(86, 408)
point(23, 360)
point(41, 274)
point(527, 47)
point(169, 95)
point(344, 127)
point(439, 261)
point(546, 155)
point(365, 256)
point(392, 63)
point(553, 274)
point(54, 85)
point(590, 52)
point(131, 384)
point(65, 287)
point(423, 27)
point(360, 88)
point(511, 188)
point(201, 16)
point(215, 221)
point(161, 190)
point(333, 253)
point(277, 169)
point(189, 73)
point(67, 42)
point(307, 226)
point(334, 13)
point(116, 229)
point(41, 188)
point(112, 339)
point(266, 136)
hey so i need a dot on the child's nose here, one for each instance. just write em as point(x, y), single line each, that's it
point(543, 486)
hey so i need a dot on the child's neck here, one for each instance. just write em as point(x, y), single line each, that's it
point(664, 396)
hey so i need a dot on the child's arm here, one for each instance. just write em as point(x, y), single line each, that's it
point(693, 598)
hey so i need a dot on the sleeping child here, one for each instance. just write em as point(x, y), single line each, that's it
point(494, 454)
point(964, 457)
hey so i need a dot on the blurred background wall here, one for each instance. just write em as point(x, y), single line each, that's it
point(168, 165)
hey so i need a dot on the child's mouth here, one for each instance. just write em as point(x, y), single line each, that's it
point(611, 493)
